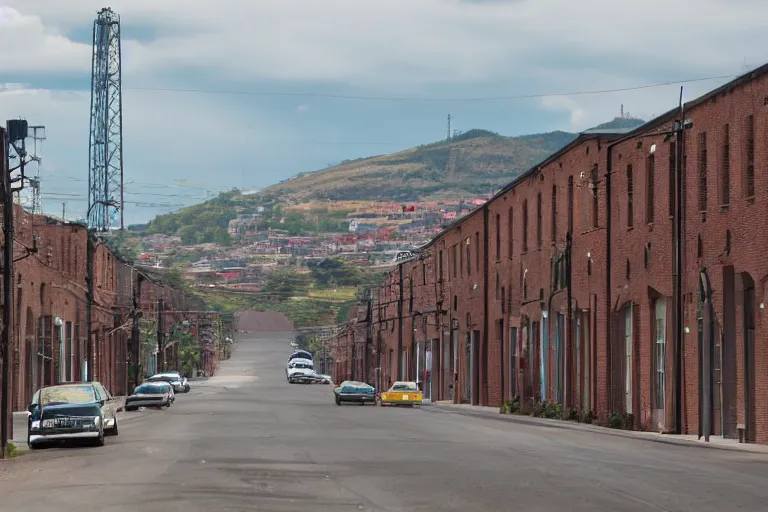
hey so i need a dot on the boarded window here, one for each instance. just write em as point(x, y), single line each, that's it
point(498, 237)
point(650, 181)
point(538, 220)
point(703, 171)
point(725, 168)
point(554, 213)
point(630, 197)
point(525, 225)
point(570, 204)
point(749, 171)
point(595, 203)
point(672, 172)
point(510, 230)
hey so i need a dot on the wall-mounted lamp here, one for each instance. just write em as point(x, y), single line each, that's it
point(762, 305)
point(58, 322)
point(589, 254)
point(653, 148)
point(687, 330)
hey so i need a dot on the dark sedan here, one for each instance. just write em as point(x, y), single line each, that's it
point(70, 411)
point(149, 394)
point(356, 392)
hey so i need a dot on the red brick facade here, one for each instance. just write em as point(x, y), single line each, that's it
point(49, 331)
point(561, 287)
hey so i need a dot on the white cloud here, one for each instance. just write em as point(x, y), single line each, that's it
point(560, 103)
point(302, 109)
point(387, 43)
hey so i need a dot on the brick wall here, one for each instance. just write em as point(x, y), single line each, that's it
point(504, 326)
point(49, 308)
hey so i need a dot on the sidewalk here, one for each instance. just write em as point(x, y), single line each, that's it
point(680, 440)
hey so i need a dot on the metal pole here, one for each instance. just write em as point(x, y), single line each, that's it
point(160, 336)
point(89, 248)
point(678, 285)
point(7, 288)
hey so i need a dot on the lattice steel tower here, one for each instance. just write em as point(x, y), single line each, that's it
point(105, 159)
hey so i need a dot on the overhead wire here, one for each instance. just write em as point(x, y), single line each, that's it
point(424, 98)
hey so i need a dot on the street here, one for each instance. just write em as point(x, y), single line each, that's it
point(248, 440)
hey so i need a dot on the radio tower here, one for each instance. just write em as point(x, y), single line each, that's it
point(105, 158)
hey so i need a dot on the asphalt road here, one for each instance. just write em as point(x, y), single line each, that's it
point(248, 440)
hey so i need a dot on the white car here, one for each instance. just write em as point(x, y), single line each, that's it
point(179, 383)
point(299, 370)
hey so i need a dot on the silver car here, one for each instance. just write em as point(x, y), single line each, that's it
point(179, 383)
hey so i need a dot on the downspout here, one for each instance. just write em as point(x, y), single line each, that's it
point(399, 324)
point(484, 396)
point(608, 289)
point(89, 248)
point(678, 285)
point(568, 353)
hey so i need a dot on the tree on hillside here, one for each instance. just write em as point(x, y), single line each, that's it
point(334, 272)
point(286, 283)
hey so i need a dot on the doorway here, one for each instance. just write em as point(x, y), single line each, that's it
point(660, 360)
point(749, 357)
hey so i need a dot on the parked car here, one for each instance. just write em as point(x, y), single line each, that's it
point(323, 379)
point(402, 393)
point(150, 394)
point(179, 383)
point(299, 370)
point(353, 391)
point(300, 354)
point(78, 410)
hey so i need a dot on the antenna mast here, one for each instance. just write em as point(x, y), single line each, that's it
point(105, 158)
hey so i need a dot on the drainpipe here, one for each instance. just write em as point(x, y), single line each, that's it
point(608, 289)
point(89, 248)
point(484, 390)
point(399, 323)
point(678, 284)
point(569, 328)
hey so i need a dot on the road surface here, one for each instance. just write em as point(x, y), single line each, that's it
point(247, 440)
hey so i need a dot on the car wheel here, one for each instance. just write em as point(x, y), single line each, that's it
point(130, 409)
point(100, 440)
point(338, 401)
point(114, 431)
point(168, 403)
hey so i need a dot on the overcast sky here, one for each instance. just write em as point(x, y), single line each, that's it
point(451, 52)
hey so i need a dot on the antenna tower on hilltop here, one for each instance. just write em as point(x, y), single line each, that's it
point(105, 158)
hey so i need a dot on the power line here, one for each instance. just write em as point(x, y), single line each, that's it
point(424, 98)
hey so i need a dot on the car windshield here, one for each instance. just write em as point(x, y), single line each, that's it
point(81, 394)
point(163, 378)
point(150, 389)
point(302, 365)
point(404, 386)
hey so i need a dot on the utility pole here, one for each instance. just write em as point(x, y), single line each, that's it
point(89, 248)
point(448, 135)
point(64, 212)
point(368, 332)
point(7, 198)
point(679, 130)
point(160, 337)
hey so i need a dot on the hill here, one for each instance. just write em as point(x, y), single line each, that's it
point(473, 163)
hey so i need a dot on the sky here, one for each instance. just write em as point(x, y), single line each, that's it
point(245, 93)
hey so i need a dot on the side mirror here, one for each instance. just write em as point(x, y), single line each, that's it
point(102, 402)
point(32, 407)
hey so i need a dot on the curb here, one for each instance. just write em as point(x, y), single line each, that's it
point(596, 429)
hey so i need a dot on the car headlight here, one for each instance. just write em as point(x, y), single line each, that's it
point(35, 425)
point(96, 420)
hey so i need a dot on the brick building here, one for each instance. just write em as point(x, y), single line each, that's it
point(562, 286)
point(49, 330)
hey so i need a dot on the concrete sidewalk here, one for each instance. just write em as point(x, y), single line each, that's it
point(715, 442)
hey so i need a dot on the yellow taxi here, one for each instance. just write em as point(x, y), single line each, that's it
point(402, 393)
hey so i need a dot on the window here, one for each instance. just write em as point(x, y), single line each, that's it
point(410, 292)
point(498, 287)
point(570, 204)
point(650, 179)
point(700, 247)
point(498, 237)
point(725, 169)
point(595, 203)
point(510, 243)
point(630, 197)
point(477, 251)
point(749, 140)
point(703, 171)
point(672, 177)
point(461, 258)
point(440, 267)
point(554, 213)
point(525, 226)
point(453, 251)
point(469, 256)
point(538, 220)
point(503, 300)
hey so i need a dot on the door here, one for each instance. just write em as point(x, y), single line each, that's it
point(468, 377)
point(476, 367)
point(660, 360)
point(512, 351)
point(628, 359)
